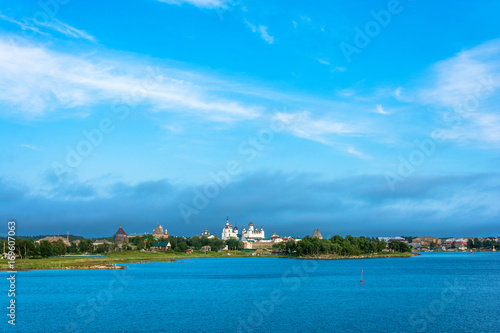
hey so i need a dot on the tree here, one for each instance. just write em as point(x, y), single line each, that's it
point(432, 245)
point(59, 248)
point(46, 249)
point(477, 243)
point(25, 248)
point(216, 244)
point(72, 248)
point(279, 247)
point(400, 247)
point(102, 248)
point(337, 239)
point(336, 248)
point(470, 243)
point(149, 241)
point(234, 244)
point(85, 246)
point(196, 242)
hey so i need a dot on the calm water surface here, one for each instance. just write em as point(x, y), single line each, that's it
point(456, 292)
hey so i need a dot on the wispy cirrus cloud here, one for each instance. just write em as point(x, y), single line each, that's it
point(465, 90)
point(68, 30)
point(31, 147)
point(381, 110)
point(304, 125)
point(200, 3)
point(71, 81)
point(323, 61)
point(24, 24)
point(262, 30)
point(53, 25)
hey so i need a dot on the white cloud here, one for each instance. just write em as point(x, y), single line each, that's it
point(467, 87)
point(36, 80)
point(397, 92)
point(200, 3)
point(454, 80)
point(480, 129)
point(24, 25)
point(355, 152)
point(381, 110)
point(53, 24)
point(302, 125)
point(265, 35)
point(31, 147)
point(338, 69)
point(68, 30)
point(262, 30)
point(324, 61)
point(176, 129)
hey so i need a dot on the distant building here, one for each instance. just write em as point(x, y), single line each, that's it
point(207, 234)
point(393, 239)
point(206, 248)
point(162, 246)
point(228, 232)
point(159, 233)
point(276, 238)
point(290, 238)
point(120, 236)
point(317, 234)
point(54, 239)
point(100, 242)
point(425, 241)
point(459, 243)
point(251, 233)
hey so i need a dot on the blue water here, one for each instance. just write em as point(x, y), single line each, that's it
point(456, 292)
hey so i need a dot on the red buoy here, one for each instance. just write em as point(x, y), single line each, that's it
point(361, 275)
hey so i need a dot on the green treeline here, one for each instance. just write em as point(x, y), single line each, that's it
point(181, 244)
point(337, 245)
point(477, 243)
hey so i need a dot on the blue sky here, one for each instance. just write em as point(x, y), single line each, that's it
point(364, 118)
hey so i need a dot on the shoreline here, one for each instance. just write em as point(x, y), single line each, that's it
point(114, 261)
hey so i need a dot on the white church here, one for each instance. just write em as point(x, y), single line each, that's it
point(228, 231)
point(246, 234)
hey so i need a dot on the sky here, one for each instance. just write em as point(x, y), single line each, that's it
point(374, 118)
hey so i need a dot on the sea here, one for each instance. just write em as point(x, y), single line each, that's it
point(433, 292)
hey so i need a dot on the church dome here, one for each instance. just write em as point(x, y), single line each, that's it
point(251, 224)
point(158, 229)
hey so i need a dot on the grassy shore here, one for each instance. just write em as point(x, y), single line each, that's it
point(110, 261)
point(362, 256)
